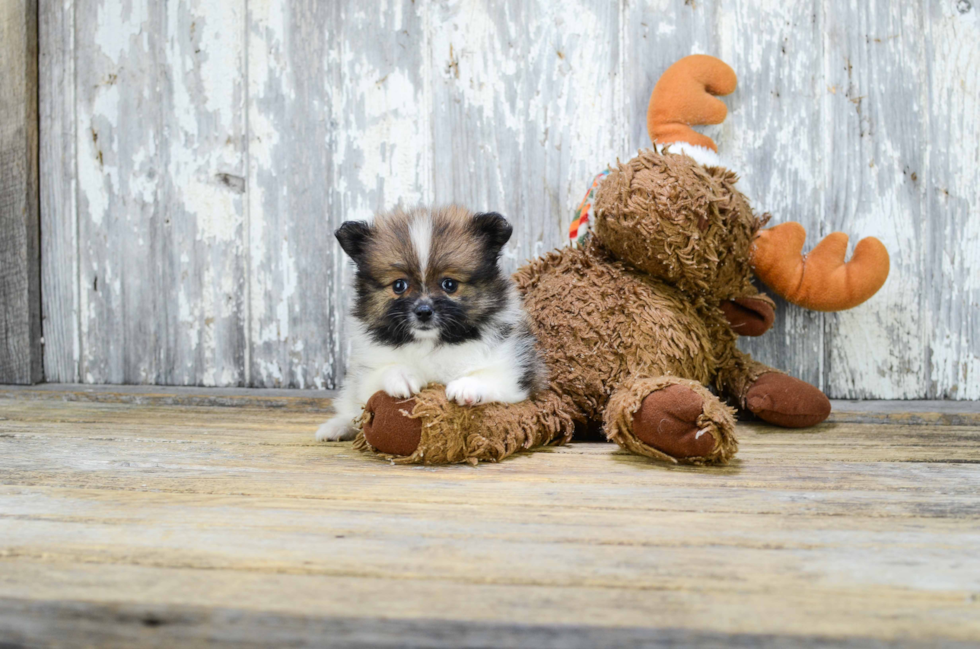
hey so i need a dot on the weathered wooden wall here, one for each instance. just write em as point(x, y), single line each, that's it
point(197, 154)
point(20, 270)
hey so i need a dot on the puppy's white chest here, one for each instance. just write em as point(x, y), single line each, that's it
point(443, 363)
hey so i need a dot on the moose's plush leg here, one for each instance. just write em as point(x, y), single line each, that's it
point(430, 429)
point(671, 419)
point(772, 395)
point(786, 401)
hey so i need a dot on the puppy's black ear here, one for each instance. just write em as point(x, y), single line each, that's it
point(494, 229)
point(353, 237)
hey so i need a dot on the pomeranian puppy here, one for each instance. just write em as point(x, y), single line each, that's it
point(431, 305)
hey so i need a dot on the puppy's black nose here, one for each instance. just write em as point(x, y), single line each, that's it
point(423, 312)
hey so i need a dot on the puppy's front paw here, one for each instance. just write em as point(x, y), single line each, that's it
point(337, 429)
point(401, 382)
point(469, 391)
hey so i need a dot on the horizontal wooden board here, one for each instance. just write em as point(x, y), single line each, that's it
point(941, 413)
point(112, 514)
point(315, 400)
point(127, 625)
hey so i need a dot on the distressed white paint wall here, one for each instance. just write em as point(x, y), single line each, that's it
point(198, 154)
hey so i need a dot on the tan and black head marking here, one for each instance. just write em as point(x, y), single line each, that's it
point(427, 274)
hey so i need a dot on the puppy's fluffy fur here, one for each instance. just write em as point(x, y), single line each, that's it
point(432, 306)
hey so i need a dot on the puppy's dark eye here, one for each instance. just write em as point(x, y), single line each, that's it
point(400, 286)
point(449, 285)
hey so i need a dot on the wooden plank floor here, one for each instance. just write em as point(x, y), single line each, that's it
point(163, 524)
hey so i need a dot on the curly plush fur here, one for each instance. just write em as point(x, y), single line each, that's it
point(633, 332)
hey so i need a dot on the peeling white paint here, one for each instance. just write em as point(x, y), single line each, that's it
point(118, 23)
point(390, 107)
point(97, 175)
point(222, 46)
point(217, 212)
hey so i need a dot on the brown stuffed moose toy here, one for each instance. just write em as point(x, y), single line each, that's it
point(639, 325)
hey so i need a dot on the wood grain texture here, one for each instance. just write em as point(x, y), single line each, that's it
point(20, 281)
point(853, 117)
point(952, 198)
point(847, 534)
point(876, 145)
point(59, 217)
point(127, 625)
point(161, 174)
point(292, 398)
point(919, 413)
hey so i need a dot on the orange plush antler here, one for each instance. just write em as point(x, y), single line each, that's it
point(820, 280)
point(683, 97)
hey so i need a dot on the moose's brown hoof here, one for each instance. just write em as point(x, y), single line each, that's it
point(387, 429)
point(667, 420)
point(786, 401)
point(749, 316)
